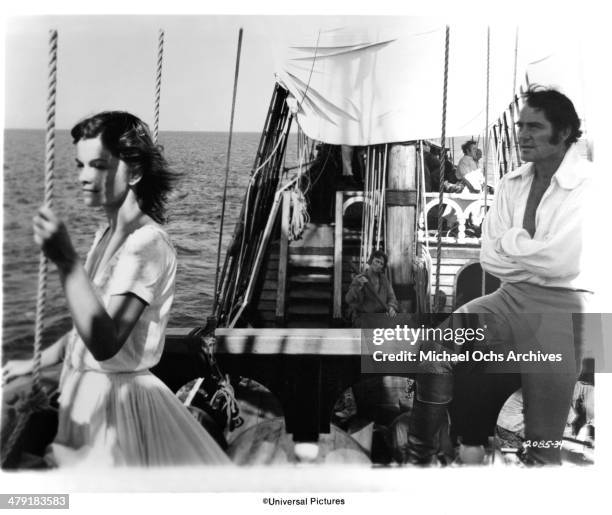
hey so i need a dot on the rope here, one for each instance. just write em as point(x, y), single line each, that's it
point(225, 399)
point(250, 186)
point(374, 195)
point(423, 197)
point(486, 146)
point(421, 266)
point(516, 40)
point(27, 404)
point(158, 78)
point(48, 201)
point(299, 214)
point(314, 60)
point(37, 399)
point(437, 306)
point(227, 169)
point(382, 200)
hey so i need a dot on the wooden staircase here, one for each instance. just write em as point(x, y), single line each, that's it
point(310, 279)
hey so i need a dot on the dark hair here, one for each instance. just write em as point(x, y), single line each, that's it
point(380, 255)
point(128, 138)
point(466, 146)
point(558, 110)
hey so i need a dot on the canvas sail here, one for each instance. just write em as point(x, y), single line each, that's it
point(368, 84)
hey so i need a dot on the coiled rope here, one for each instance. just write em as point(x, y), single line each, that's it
point(37, 399)
point(437, 304)
point(158, 79)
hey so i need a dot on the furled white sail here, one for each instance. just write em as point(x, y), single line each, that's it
point(369, 84)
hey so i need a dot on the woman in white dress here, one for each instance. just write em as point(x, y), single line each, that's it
point(112, 410)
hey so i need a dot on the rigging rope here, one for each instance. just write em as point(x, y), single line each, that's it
point(486, 145)
point(246, 214)
point(421, 267)
point(158, 79)
point(373, 200)
point(227, 170)
point(516, 41)
point(437, 307)
point(37, 399)
point(382, 199)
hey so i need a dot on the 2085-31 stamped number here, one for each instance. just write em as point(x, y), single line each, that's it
point(543, 444)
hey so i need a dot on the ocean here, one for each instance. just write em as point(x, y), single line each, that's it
point(194, 220)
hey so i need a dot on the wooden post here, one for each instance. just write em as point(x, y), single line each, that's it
point(338, 229)
point(283, 261)
point(401, 213)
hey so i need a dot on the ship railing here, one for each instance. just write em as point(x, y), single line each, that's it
point(463, 206)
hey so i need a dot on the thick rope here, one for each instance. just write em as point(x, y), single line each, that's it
point(49, 183)
point(227, 170)
point(158, 79)
point(486, 146)
point(37, 399)
point(224, 399)
point(437, 307)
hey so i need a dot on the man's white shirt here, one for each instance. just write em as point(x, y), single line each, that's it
point(566, 250)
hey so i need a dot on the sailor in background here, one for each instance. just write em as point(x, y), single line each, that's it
point(374, 399)
point(542, 264)
point(371, 291)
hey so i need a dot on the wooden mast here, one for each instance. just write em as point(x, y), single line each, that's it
point(401, 219)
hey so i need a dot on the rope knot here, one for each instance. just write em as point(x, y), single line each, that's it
point(33, 401)
point(224, 400)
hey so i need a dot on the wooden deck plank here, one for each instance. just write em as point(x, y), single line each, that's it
point(291, 341)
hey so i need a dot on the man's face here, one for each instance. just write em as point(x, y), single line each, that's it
point(536, 137)
point(377, 265)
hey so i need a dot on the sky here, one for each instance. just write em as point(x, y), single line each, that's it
point(109, 62)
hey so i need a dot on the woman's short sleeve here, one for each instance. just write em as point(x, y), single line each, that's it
point(141, 265)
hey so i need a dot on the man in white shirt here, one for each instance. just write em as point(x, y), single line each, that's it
point(535, 241)
point(468, 170)
point(468, 162)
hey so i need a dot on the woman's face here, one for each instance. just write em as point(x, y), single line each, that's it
point(104, 178)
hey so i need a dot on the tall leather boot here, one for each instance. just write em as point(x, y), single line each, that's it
point(429, 415)
point(426, 421)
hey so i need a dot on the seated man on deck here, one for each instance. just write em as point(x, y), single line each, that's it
point(545, 278)
point(468, 170)
point(432, 170)
point(371, 291)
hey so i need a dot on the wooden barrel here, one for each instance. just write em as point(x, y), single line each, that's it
point(256, 404)
point(268, 443)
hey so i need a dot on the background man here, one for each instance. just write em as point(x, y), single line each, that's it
point(371, 291)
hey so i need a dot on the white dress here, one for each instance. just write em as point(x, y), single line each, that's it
point(116, 412)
